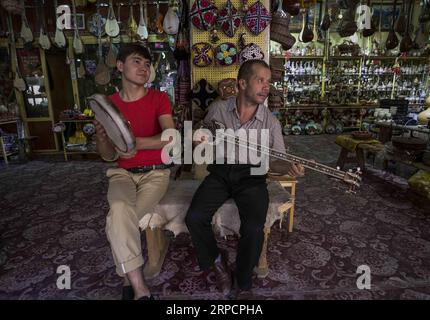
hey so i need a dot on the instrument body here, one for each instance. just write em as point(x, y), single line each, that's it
point(117, 127)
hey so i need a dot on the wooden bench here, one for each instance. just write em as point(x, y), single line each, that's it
point(170, 214)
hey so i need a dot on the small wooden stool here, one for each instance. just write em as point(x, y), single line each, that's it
point(358, 157)
point(344, 158)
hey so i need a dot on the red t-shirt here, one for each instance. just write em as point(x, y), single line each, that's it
point(143, 117)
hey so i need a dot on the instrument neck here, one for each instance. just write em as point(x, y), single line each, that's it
point(290, 158)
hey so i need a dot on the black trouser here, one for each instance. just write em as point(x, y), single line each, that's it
point(252, 199)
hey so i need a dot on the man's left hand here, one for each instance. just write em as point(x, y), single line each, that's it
point(128, 155)
point(293, 170)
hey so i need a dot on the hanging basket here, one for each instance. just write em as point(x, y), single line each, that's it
point(12, 6)
point(279, 30)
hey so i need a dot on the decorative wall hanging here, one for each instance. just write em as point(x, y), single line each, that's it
point(229, 19)
point(257, 18)
point(202, 54)
point(251, 52)
point(203, 94)
point(214, 35)
point(226, 54)
point(203, 14)
point(227, 88)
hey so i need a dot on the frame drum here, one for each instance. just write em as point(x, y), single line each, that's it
point(116, 126)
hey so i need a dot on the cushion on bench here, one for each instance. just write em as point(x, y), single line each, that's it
point(170, 213)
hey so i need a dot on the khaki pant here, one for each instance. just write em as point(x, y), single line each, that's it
point(131, 196)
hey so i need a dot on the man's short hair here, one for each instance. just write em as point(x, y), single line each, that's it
point(133, 48)
point(246, 70)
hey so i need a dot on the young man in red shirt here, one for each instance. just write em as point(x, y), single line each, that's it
point(141, 179)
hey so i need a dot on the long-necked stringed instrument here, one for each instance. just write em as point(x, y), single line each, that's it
point(349, 177)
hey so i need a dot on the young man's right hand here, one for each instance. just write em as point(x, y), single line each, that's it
point(100, 132)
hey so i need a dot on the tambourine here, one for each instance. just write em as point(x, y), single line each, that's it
point(116, 126)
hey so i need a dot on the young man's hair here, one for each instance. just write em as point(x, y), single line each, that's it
point(246, 70)
point(133, 48)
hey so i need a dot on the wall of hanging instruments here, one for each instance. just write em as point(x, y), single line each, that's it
point(66, 54)
point(333, 62)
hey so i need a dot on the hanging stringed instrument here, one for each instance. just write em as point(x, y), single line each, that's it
point(18, 81)
point(26, 32)
point(406, 44)
point(78, 46)
point(325, 24)
point(369, 16)
point(44, 41)
point(111, 26)
point(392, 40)
point(352, 179)
point(59, 38)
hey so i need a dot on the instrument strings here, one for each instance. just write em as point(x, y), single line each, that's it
point(289, 157)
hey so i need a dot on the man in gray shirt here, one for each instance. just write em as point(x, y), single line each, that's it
point(227, 180)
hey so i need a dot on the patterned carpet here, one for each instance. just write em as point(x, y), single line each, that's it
point(52, 213)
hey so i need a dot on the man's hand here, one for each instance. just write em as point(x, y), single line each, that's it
point(101, 132)
point(104, 145)
point(128, 155)
point(293, 170)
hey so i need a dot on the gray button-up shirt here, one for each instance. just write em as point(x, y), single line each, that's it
point(225, 111)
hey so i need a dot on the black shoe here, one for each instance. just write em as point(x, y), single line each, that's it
point(151, 297)
point(238, 293)
point(127, 293)
point(223, 275)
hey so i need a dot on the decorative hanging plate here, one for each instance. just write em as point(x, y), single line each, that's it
point(203, 14)
point(251, 52)
point(226, 54)
point(202, 54)
point(93, 27)
point(229, 19)
point(257, 18)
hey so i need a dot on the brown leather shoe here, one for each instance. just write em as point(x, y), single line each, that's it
point(223, 275)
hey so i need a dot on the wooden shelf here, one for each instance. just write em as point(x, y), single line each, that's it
point(344, 57)
point(6, 121)
point(80, 152)
point(329, 106)
point(297, 57)
point(7, 154)
point(71, 120)
point(377, 57)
